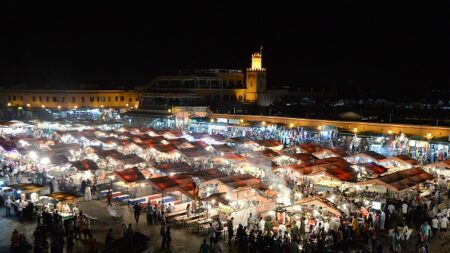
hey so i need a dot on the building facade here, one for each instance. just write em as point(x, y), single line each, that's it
point(207, 87)
point(69, 99)
point(256, 80)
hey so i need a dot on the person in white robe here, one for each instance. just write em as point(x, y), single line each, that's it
point(87, 193)
point(261, 224)
point(382, 220)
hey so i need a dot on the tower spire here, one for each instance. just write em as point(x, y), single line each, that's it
point(260, 49)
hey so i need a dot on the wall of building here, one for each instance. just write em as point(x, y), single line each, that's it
point(414, 130)
point(69, 98)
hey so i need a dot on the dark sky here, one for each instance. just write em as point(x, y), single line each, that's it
point(317, 44)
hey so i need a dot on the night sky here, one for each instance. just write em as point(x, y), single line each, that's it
point(320, 44)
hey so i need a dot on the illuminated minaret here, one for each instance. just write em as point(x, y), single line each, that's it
point(255, 78)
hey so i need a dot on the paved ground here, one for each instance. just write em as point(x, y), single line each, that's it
point(183, 240)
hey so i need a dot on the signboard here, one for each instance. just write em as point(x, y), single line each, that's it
point(222, 120)
point(233, 121)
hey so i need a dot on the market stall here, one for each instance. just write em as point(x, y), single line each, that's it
point(439, 168)
point(398, 182)
point(63, 203)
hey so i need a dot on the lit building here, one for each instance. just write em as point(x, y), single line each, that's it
point(194, 88)
point(210, 87)
point(69, 99)
point(256, 80)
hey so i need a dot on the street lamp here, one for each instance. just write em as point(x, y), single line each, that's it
point(43, 106)
point(429, 136)
point(390, 132)
point(9, 104)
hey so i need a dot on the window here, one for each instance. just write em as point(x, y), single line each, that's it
point(175, 84)
point(9, 98)
point(40, 99)
point(122, 98)
point(103, 98)
point(91, 99)
point(202, 84)
point(163, 84)
point(225, 84)
point(109, 98)
point(189, 84)
point(117, 99)
point(33, 98)
point(231, 84)
point(239, 83)
point(98, 99)
point(63, 99)
point(136, 99)
point(215, 84)
point(14, 98)
point(21, 98)
point(130, 99)
point(73, 99)
point(82, 99)
point(54, 99)
point(47, 99)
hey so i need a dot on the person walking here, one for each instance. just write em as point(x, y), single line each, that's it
point(109, 238)
point(217, 248)
point(443, 224)
point(15, 240)
point(109, 198)
point(212, 235)
point(162, 232)
point(70, 243)
point(204, 248)
point(168, 238)
point(8, 203)
point(395, 241)
point(88, 193)
point(230, 228)
point(123, 230)
point(137, 212)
